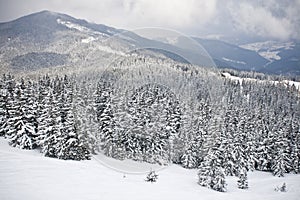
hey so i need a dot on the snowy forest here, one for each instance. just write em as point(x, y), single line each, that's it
point(158, 113)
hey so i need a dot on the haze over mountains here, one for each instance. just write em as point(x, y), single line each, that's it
point(47, 39)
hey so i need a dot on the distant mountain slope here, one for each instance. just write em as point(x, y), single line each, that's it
point(42, 26)
point(284, 57)
point(48, 39)
point(76, 42)
point(232, 56)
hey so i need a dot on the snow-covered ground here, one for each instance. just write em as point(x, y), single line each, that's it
point(269, 49)
point(28, 175)
point(80, 28)
point(268, 45)
point(240, 80)
point(88, 40)
point(233, 61)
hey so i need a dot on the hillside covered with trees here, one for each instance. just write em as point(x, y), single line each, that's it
point(158, 112)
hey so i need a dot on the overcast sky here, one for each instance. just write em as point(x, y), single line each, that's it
point(272, 19)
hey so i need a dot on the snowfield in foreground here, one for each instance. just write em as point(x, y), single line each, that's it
point(28, 175)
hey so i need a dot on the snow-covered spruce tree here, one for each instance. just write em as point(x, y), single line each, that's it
point(106, 131)
point(295, 158)
point(32, 104)
point(140, 126)
point(239, 155)
point(243, 179)
point(179, 140)
point(173, 115)
point(151, 176)
point(70, 147)
point(198, 133)
point(23, 129)
point(120, 141)
point(281, 188)
point(48, 130)
point(295, 143)
point(211, 173)
point(57, 131)
point(6, 103)
point(192, 156)
point(104, 116)
point(3, 103)
point(173, 118)
point(102, 97)
point(203, 175)
point(43, 107)
point(218, 182)
point(86, 121)
point(189, 159)
point(281, 162)
point(49, 118)
point(249, 143)
point(231, 131)
point(264, 153)
point(149, 109)
point(50, 127)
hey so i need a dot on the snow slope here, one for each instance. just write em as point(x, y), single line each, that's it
point(240, 80)
point(28, 175)
point(80, 28)
point(234, 61)
point(269, 49)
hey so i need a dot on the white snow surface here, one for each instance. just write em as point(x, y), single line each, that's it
point(88, 39)
point(80, 28)
point(110, 50)
point(27, 175)
point(269, 49)
point(270, 55)
point(240, 80)
point(268, 45)
point(233, 61)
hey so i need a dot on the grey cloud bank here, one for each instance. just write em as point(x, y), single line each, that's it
point(271, 19)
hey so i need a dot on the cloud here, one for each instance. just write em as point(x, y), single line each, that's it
point(132, 13)
point(275, 19)
point(169, 13)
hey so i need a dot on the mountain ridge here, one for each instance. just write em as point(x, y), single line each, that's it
point(56, 32)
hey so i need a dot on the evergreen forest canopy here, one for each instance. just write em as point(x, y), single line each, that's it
point(155, 111)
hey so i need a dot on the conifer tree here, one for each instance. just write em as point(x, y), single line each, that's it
point(243, 179)
point(192, 156)
point(211, 173)
point(22, 128)
point(3, 103)
point(281, 162)
point(70, 146)
point(152, 176)
point(49, 120)
point(7, 110)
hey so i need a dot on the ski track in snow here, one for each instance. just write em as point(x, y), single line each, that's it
point(28, 175)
